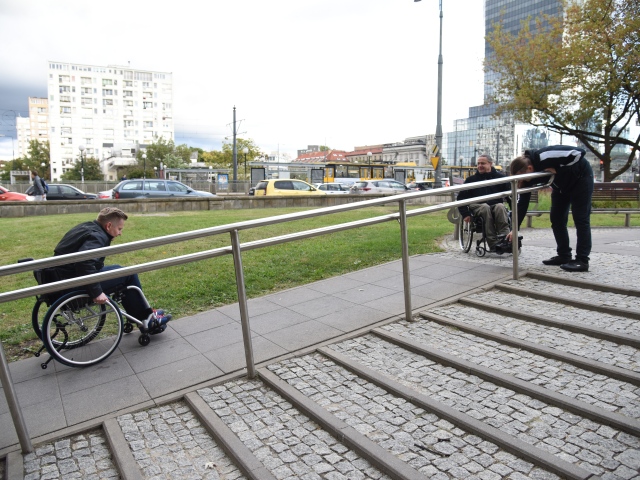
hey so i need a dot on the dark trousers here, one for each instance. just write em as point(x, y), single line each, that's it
point(578, 199)
point(134, 303)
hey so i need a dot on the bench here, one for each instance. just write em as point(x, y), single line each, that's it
point(611, 192)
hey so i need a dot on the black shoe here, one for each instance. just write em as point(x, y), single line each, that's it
point(557, 260)
point(575, 266)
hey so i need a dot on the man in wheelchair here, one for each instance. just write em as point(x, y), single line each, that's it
point(97, 234)
point(493, 213)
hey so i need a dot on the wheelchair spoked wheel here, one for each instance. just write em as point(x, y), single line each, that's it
point(465, 234)
point(37, 316)
point(78, 332)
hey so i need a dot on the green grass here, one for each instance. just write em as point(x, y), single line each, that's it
point(195, 287)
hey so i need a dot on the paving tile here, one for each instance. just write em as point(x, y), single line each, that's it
point(369, 275)
point(354, 318)
point(337, 284)
point(276, 320)
point(439, 290)
point(32, 392)
point(30, 368)
point(76, 379)
point(200, 322)
point(322, 306)
point(104, 398)
point(440, 271)
point(302, 334)
point(394, 304)
point(129, 342)
point(146, 358)
point(364, 294)
point(230, 358)
point(43, 417)
point(178, 375)
point(396, 282)
point(216, 337)
point(294, 296)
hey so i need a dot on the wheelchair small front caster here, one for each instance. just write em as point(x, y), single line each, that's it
point(144, 339)
point(128, 327)
point(43, 366)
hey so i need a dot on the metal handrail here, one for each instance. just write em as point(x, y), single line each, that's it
point(236, 248)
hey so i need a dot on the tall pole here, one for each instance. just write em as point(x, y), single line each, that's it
point(235, 150)
point(81, 148)
point(438, 172)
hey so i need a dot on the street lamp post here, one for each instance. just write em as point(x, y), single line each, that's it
point(369, 154)
point(438, 172)
point(144, 166)
point(245, 150)
point(43, 165)
point(81, 148)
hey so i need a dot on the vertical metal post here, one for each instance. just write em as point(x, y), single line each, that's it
point(514, 228)
point(406, 273)
point(14, 406)
point(242, 302)
point(456, 230)
point(438, 173)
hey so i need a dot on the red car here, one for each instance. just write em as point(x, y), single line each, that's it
point(7, 196)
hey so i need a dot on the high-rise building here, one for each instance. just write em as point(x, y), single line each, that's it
point(107, 110)
point(35, 127)
point(481, 132)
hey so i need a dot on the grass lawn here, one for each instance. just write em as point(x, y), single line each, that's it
point(195, 287)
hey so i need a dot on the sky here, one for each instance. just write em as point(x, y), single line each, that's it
point(341, 73)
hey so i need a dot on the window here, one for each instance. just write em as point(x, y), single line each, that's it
point(65, 109)
point(127, 93)
point(86, 101)
point(177, 187)
point(65, 89)
point(107, 91)
point(107, 81)
point(107, 101)
point(85, 80)
point(64, 78)
point(148, 124)
point(155, 185)
point(65, 98)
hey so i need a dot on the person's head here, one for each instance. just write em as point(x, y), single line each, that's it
point(34, 174)
point(112, 220)
point(521, 165)
point(484, 163)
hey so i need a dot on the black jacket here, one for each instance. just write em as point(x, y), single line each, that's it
point(86, 236)
point(483, 190)
point(570, 165)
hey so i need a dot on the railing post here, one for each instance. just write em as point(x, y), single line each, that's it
point(406, 273)
point(456, 231)
point(14, 406)
point(514, 228)
point(242, 302)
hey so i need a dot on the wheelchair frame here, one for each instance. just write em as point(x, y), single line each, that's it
point(466, 231)
point(77, 332)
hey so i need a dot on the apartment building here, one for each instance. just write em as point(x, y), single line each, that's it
point(35, 127)
point(107, 110)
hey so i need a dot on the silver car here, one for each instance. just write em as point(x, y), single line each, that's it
point(155, 188)
point(379, 186)
point(333, 188)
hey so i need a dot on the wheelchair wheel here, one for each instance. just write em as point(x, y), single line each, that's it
point(37, 316)
point(465, 234)
point(78, 332)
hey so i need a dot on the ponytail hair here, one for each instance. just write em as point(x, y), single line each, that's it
point(519, 164)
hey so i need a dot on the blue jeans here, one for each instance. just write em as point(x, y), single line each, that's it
point(578, 198)
point(134, 303)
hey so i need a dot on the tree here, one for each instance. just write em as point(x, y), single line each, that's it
point(224, 158)
point(92, 171)
point(575, 75)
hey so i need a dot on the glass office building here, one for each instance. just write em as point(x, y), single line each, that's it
point(481, 132)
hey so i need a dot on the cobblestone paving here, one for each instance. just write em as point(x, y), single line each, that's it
point(287, 443)
point(605, 268)
point(594, 297)
point(169, 442)
point(598, 390)
point(595, 447)
point(622, 356)
point(84, 456)
point(435, 447)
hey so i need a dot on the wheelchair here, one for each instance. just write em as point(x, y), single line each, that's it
point(466, 231)
point(77, 332)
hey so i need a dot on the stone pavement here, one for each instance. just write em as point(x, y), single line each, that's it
point(200, 350)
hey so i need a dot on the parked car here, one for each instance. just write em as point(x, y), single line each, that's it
point(333, 188)
point(106, 194)
point(60, 191)
point(155, 188)
point(379, 186)
point(8, 196)
point(285, 187)
point(420, 186)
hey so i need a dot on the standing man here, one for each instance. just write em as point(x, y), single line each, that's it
point(38, 188)
point(572, 188)
point(97, 234)
point(493, 212)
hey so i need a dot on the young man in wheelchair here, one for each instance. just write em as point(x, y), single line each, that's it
point(493, 212)
point(97, 234)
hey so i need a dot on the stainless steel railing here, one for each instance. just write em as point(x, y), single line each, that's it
point(235, 249)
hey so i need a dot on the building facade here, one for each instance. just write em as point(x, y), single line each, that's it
point(35, 127)
point(481, 132)
point(106, 110)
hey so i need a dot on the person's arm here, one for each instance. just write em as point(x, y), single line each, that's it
point(91, 266)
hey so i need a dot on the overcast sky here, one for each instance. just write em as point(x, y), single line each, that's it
point(300, 72)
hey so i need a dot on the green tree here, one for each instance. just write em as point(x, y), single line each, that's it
point(576, 75)
point(225, 158)
point(92, 171)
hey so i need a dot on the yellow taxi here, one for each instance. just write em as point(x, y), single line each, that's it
point(285, 186)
